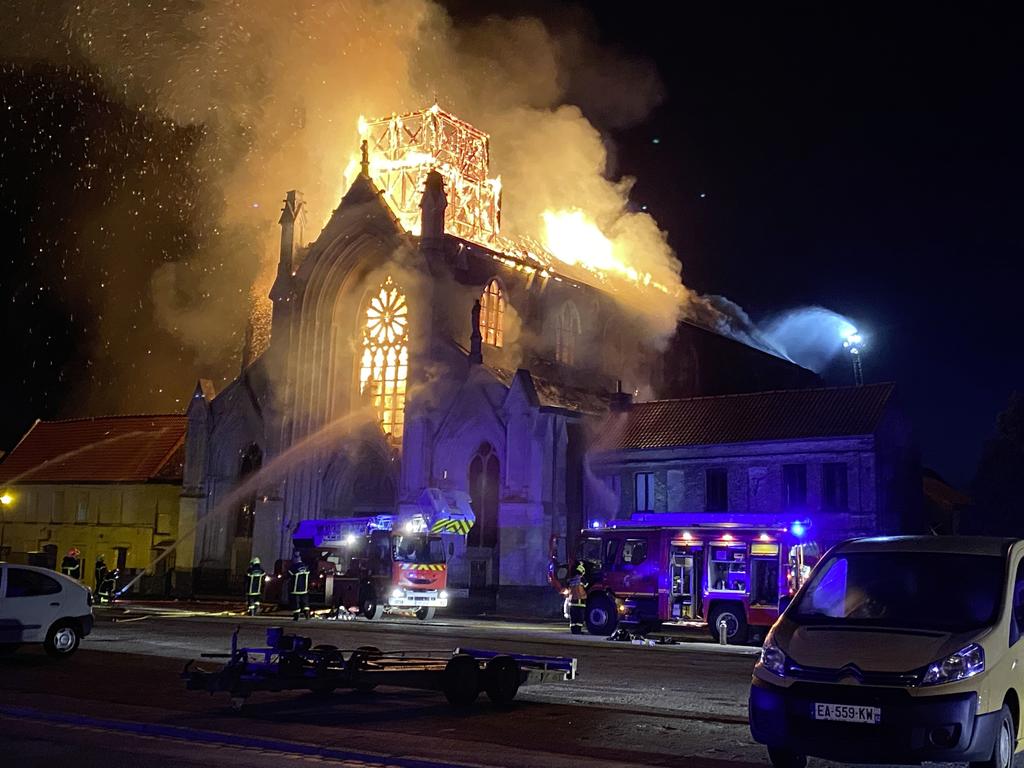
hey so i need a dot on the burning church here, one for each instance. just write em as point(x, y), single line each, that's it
point(413, 344)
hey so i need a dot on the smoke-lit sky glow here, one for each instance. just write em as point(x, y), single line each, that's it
point(833, 159)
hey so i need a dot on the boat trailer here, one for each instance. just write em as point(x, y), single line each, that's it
point(293, 663)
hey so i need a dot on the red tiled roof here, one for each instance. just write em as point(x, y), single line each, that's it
point(760, 416)
point(107, 449)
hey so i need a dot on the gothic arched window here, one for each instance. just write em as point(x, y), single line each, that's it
point(492, 314)
point(384, 366)
point(567, 332)
point(484, 483)
point(250, 463)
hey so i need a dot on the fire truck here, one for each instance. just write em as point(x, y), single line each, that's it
point(369, 565)
point(689, 569)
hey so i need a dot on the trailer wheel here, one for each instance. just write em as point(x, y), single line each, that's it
point(461, 680)
point(736, 629)
point(425, 614)
point(602, 615)
point(501, 679)
point(363, 654)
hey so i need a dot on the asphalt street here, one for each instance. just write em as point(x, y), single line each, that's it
point(121, 700)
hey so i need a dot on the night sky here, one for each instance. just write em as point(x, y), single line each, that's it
point(867, 162)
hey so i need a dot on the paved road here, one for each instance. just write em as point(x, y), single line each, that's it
point(119, 699)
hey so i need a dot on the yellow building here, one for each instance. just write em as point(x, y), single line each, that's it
point(109, 485)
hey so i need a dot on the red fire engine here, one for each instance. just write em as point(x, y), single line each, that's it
point(689, 569)
point(367, 565)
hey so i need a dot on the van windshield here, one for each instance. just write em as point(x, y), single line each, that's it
point(907, 590)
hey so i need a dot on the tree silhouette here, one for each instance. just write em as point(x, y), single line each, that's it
point(998, 489)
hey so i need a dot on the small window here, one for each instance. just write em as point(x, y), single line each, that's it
point(834, 490)
point(25, 583)
point(794, 485)
point(590, 550)
point(643, 483)
point(82, 513)
point(716, 496)
point(634, 551)
point(492, 315)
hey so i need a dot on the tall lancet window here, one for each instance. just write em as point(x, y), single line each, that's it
point(384, 367)
point(492, 314)
point(567, 331)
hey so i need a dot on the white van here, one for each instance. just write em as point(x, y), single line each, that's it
point(898, 650)
point(38, 605)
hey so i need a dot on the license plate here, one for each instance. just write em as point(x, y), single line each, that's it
point(847, 713)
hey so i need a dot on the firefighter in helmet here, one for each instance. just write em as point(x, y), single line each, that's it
point(106, 580)
point(298, 575)
point(71, 565)
point(578, 584)
point(100, 571)
point(254, 586)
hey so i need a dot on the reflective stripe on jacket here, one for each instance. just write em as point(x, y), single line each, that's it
point(255, 581)
point(300, 581)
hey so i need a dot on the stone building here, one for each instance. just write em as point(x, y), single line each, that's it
point(410, 347)
point(108, 485)
point(841, 457)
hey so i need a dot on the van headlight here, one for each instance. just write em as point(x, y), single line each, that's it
point(773, 659)
point(397, 593)
point(967, 662)
point(443, 595)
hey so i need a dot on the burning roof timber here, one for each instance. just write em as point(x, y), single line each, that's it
point(402, 149)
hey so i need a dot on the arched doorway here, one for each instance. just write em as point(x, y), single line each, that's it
point(483, 542)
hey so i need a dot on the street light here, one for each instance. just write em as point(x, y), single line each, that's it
point(6, 499)
point(854, 344)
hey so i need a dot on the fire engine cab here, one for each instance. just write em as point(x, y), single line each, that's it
point(689, 569)
point(367, 565)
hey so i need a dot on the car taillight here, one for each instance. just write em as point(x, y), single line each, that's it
point(88, 597)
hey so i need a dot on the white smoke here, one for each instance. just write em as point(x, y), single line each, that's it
point(809, 336)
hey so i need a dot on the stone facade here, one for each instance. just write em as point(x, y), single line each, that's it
point(309, 429)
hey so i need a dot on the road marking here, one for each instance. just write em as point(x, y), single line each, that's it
point(288, 749)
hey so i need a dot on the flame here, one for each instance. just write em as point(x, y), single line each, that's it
point(575, 238)
point(403, 148)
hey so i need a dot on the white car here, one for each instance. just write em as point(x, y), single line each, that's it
point(38, 605)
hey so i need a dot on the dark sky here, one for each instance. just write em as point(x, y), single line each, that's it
point(870, 162)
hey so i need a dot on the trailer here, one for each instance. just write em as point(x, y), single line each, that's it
point(293, 663)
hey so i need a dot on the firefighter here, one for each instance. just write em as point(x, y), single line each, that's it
point(71, 565)
point(100, 571)
point(298, 574)
point(254, 586)
point(106, 580)
point(578, 584)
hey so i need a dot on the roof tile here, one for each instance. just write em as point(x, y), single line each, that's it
point(107, 449)
point(755, 417)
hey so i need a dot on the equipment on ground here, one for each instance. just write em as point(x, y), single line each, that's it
point(290, 663)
